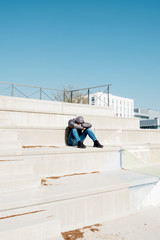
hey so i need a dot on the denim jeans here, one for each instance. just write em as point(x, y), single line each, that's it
point(74, 137)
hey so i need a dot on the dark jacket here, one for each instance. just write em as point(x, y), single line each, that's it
point(73, 123)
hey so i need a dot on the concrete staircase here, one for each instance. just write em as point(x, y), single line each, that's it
point(47, 187)
point(145, 159)
point(30, 225)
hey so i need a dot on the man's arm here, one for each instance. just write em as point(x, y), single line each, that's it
point(72, 124)
point(86, 125)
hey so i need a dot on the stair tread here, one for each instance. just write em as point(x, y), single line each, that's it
point(18, 177)
point(35, 225)
point(27, 150)
point(24, 219)
point(75, 186)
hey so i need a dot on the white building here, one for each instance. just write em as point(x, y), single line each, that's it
point(149, 119)
point(123, 107)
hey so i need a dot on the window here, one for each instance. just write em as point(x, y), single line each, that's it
point(93, 100)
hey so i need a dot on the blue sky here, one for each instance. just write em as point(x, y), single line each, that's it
point(83, 43)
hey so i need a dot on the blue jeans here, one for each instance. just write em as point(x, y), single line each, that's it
point(74, 137)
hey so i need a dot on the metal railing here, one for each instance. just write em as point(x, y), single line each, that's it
point(35, 92)
point(90, 95)
point(84, 95)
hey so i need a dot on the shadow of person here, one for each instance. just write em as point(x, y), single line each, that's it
point(67, 131)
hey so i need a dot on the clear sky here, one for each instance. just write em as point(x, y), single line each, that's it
point(83, 43)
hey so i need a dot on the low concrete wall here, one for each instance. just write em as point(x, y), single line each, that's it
point(128, 137)
point(41, 106)
point(110, 137)
point(43, 123)
point(36, 113)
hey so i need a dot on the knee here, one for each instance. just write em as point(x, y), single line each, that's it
point(88, 130)
point(74, 130)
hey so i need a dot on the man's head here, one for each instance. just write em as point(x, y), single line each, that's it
point(79, 120)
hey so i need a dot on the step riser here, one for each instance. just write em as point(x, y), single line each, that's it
point(128, 137)
point(41, 231)
point(8, 134)
point(113, 122)
point(15, 169)
point(10, 147)
point(104, 207)
point(62, 164)
point(22, 119)
point(56, 137)
point(134, 158)
point(84, 211)
point(11, 152)
point(16, 104)
point(18, 185)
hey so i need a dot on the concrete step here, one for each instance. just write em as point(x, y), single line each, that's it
point(141, 156)
point(86, 199)
point(145, 159)
point(60, 161)
point(109, 137)
point(33, 113)
point(43, 120)
point(113, 122)
point(125, 137)
point(151, 170)
point(7, 134)
point(15, 104)
point(10, 143)
point(4, 122)
point(30, 226)
point(55, 238)
point(15, 168)
point(18, 182)
point(12, 158)
point(141, 225)
point(10, 148)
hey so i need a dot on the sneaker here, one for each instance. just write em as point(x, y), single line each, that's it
point(97, 144)
point(81, 145)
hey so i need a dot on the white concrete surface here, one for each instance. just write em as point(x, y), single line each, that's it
point(41, 106)
point(110, 122)
point(111, 137)
point(10, 143)
point(99, 193)
point(143, 225)
point(47, 114)
point(16, 167)
point(18, 182)
point(128, 137)
point(145, 159)
point(52, 120)
point(86, 199)
point(32, 226)
point(70, 160)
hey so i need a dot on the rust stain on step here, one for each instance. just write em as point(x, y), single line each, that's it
point(79, 233)
point(70, 175)
point(22, 214)
point(39, 146)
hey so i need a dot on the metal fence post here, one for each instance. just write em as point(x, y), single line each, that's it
point(108, 95)
point(64, 96)
point(121, 157)
point(71, 96)
point(40, 93)
point(88, 96)
point(12, 90)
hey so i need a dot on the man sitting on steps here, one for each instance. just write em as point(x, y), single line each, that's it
point(79, 131)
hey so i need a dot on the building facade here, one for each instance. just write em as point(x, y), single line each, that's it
point(149, 119)
point(123, 107)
